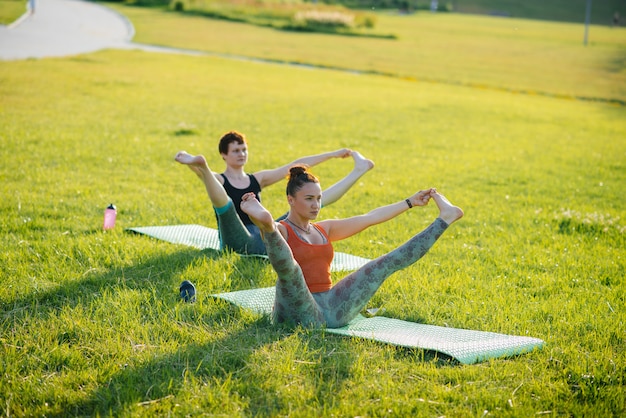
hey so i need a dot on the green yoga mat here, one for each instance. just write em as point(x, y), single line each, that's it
point(466, 346)
point(202, 237)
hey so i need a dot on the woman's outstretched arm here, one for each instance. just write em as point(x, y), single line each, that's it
point(271, 176)
point(338, 229)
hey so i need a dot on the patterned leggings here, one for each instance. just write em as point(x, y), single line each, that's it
point(336, 307)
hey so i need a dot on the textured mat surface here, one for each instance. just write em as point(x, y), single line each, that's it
point(202, 237)
point(467, 346)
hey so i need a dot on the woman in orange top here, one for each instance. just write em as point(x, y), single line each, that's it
point(301, 251)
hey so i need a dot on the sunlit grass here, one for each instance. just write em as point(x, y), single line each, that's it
point(92, 323)
point(11, 10)
point(520, 55)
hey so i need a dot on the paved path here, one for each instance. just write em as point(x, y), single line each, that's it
point(60, 28)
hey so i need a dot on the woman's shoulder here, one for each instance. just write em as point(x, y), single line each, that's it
point(254, 181)
point(283, 228)
point(320, 228)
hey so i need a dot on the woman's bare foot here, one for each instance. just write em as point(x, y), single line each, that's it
point(257, 213)
point(197, 163)
point(447, 211)
point(361, 163)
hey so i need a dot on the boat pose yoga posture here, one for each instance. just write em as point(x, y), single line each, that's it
point(225, 190)
point(301, 252)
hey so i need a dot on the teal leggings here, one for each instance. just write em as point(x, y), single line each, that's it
point(237, 237)
point(234, 235)
point(336, 307)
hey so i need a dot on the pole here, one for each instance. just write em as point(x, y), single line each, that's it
point(587, 19)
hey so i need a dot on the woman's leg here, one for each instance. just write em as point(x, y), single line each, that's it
point(233, 233)
point(294, 302)
point(348, 297)
point(197, 164)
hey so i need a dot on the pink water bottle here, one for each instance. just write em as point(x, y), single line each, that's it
point(110, 214)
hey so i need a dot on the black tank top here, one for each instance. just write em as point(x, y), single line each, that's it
point(236, 194)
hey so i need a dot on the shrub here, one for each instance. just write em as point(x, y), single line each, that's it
point(143, 3)
point(323, 19)
point(178, 5)
point(365, 20)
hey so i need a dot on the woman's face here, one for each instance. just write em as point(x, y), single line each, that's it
point(307, 202)
point(237, 155)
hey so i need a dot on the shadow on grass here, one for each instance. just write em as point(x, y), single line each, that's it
point(223, 359)
point(165, 375)
point(84, 290)
point(426, 356)
point(228, 361)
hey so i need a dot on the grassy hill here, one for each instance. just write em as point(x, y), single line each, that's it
point(558, 10)
point(602, 11)
point(526, 56)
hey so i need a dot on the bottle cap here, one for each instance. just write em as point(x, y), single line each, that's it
point(187, 291)
point(111, 206)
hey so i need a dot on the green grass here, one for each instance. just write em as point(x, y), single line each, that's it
point(11, 10)
point(555, 10)
point(510, 54)
point(91, 323)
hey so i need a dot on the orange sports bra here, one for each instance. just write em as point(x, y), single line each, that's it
point(314, 260)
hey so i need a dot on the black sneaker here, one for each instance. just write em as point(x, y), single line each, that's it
point(188, 291)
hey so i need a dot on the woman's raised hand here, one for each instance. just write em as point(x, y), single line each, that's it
point(421, 198)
